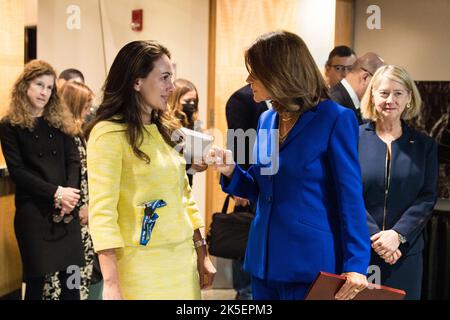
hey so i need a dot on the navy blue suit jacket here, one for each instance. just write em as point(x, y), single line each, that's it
point(413, 185)
point(310, 214)
point(243, 113)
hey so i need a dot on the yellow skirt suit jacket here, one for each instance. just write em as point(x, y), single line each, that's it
point(166, 268)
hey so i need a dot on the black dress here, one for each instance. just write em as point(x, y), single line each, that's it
point(40, 160)
point(52, 287)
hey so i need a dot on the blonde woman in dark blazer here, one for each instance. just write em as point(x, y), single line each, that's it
point(400, 174)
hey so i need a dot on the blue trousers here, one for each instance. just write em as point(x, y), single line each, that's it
point(241, 281)
point(406, 274)
point(275, 290)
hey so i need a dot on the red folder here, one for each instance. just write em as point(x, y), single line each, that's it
point(326, 285)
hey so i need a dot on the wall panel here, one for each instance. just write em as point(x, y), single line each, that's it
point(344, 23)
point(11, 64)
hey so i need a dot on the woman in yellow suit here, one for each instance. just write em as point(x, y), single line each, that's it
point(132, 159)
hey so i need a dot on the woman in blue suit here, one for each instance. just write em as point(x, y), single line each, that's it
point(305, 179)
point(400, 178)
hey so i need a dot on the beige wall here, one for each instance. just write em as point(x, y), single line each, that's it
point(11, 64)
point(11, 47)
point(414, 34)
point(181, 25)
point(63, 48)
point(31, 12)
point(315, 23)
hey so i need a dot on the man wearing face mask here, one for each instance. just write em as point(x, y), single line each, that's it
point(183, 103)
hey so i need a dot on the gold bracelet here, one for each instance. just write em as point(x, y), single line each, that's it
point(199, 243)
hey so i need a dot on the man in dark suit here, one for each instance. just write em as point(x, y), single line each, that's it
point(350, 90)
point(242, 112)
point(338, 64)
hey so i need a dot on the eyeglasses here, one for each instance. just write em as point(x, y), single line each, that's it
point(365, 70)
point(341, 68)
point(150, 217)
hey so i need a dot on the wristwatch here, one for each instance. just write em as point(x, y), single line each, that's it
point(401, 238)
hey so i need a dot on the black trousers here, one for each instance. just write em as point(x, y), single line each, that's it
point(436, 282)
point(35, 288)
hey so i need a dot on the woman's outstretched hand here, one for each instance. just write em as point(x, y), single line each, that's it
point(221, 160)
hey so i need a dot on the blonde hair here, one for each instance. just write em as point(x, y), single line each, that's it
point(182, 86)
point(20, 111)
point(282, 62)
point(76, 96)
point(397, 74)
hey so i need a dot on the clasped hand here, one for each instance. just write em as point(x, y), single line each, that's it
point(385, 244)
point(69, 200)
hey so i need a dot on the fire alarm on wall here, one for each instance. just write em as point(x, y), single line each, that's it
point(136, 20)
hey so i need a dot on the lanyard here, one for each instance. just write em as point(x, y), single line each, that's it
point(149, 220)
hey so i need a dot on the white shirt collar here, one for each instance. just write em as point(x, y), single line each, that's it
point(352, 93)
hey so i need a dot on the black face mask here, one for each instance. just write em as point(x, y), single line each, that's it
point(189, 109)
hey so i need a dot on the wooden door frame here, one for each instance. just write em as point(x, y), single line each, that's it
point(211, 102)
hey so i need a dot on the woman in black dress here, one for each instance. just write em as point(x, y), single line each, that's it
point(44, 163)
point(77, 98)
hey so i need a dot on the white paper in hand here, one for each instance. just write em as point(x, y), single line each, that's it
point(197, 144)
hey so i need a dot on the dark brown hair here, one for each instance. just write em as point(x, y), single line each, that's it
point(122, 104)
point(340, 51)
point(282, 62)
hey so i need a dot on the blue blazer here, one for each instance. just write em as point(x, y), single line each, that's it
point(310, 214)
point(413, 185)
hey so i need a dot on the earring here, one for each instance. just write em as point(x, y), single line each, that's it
point(408, 105)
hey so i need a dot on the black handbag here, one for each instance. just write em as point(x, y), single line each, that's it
point(228, 233)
